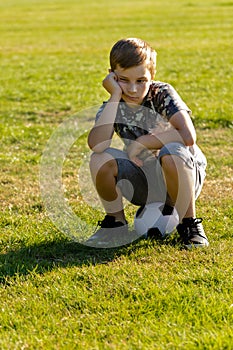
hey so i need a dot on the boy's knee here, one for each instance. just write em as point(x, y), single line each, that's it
point(168, 151)
point(102, 163)
point(166, 159)
point(175, 152)
point(170, 162)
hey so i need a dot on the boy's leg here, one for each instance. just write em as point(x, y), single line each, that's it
point(104, 172)
point(115, 176)
point(180, 183)
point(180, 172)
point(113, 229)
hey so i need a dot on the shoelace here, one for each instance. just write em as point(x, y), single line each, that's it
point(195, 229)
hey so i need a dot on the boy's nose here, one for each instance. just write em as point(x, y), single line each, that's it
point(132, 87)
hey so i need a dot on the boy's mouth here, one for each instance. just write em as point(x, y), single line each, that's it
point(132, 98)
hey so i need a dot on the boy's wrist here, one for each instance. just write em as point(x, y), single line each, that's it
point(149, 141)
point(115, 97)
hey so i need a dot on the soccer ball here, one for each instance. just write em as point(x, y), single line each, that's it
point(155, 219)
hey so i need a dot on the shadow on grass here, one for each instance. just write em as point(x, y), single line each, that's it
point(46, 256)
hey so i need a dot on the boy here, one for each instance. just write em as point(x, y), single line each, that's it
point(160, 160)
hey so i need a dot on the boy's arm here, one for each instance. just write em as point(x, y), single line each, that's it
point(100, 136)
point(183, 131)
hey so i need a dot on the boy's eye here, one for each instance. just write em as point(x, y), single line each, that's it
point(138, 81)
point(123, 79)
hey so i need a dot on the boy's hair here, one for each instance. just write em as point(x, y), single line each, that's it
point(132, 52)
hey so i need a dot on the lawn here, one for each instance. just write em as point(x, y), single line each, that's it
point(56, 293)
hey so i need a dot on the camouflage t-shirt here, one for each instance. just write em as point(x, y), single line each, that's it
point(160, 103)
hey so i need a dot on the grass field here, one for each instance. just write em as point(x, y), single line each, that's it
point(54, 292)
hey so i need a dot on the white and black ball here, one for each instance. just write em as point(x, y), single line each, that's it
point(155, 220)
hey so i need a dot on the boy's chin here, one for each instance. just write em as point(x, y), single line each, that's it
point(131, 102)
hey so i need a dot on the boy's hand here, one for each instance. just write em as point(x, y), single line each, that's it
point(111, 85)
point(133, 150)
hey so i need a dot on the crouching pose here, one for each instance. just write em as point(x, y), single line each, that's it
point(160, 161)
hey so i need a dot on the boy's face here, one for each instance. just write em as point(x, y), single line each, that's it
point(134, 82)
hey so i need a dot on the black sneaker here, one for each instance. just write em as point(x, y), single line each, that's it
point(111, 234)
point(192, 233)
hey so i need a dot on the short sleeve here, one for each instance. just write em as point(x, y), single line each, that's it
point(100, 111)
point(167, 101)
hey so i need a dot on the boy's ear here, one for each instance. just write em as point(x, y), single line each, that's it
point(110, 70)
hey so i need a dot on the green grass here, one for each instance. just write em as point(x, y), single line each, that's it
point(56, 293)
